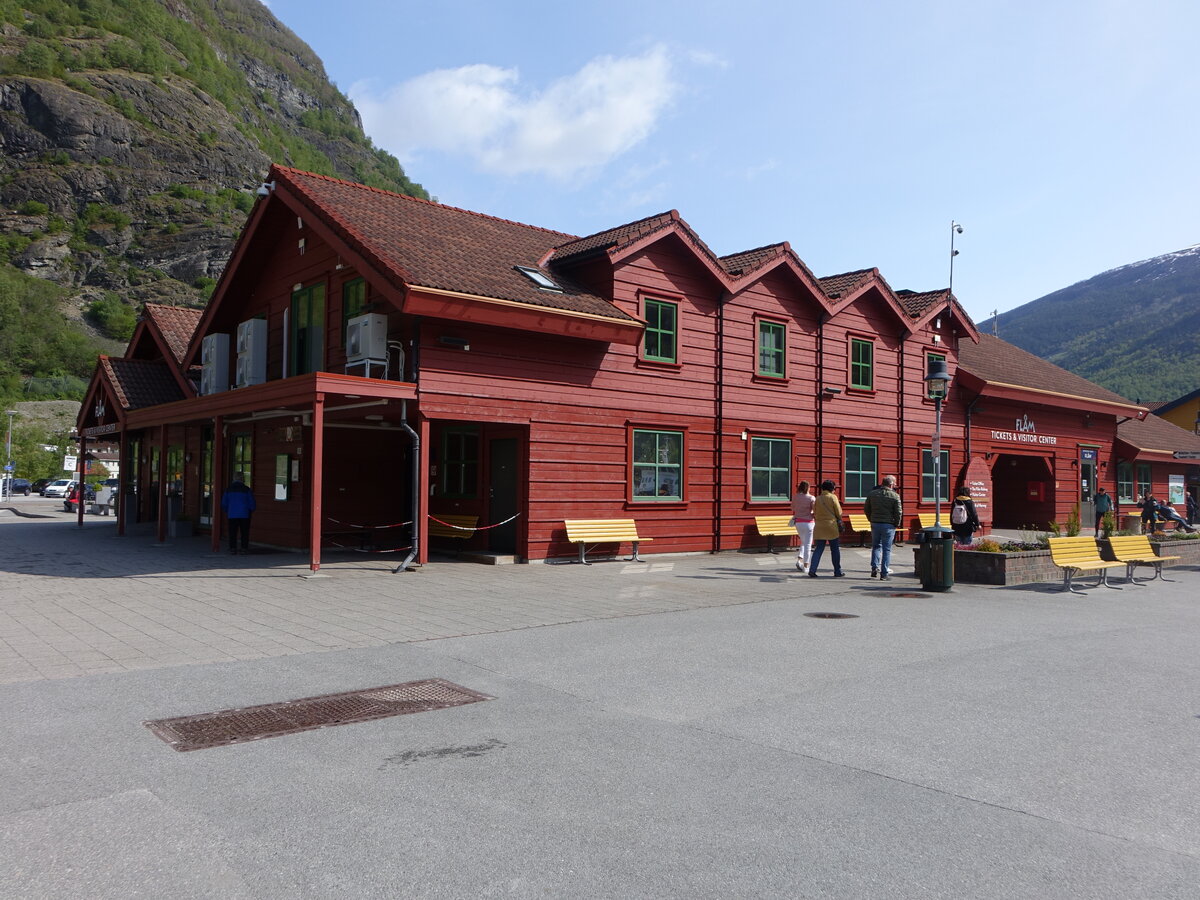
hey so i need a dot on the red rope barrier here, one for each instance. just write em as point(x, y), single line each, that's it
point(477, 528)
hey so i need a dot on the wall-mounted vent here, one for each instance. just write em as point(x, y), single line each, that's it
point(214, 364)
point(251, 352)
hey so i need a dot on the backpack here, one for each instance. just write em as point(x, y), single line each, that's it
point(958, 513)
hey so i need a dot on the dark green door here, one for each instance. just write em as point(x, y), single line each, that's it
point(503, 494)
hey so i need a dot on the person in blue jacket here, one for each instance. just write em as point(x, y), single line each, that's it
point(238, 503)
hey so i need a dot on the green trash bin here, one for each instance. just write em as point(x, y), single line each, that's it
point(935, 558)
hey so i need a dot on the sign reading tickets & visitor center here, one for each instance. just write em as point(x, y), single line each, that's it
point(1024, 432)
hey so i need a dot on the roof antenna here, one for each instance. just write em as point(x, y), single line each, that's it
point(995, 323)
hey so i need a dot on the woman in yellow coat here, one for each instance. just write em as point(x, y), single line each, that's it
point(828, 530)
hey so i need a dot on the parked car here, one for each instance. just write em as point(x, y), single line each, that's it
point(40, 485)
point(70, 504)
point(59, 488)
point(17, 486)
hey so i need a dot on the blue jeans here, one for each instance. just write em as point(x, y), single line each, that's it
point(835, 549)
point(882, 535)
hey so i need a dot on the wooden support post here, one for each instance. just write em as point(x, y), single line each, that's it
point(316, 516)
point(161, 534)
point(80, 488)
point(218, 481)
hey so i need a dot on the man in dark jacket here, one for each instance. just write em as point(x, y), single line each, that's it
point(1104, 503)
point(238, 503)
point(885, 513)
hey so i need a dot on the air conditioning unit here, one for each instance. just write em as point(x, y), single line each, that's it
point(251, 352)
point(366, 338)
point(214, 364)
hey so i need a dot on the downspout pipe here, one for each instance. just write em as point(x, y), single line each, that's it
point(821, 397)
point(719, 456)
point(416, 490)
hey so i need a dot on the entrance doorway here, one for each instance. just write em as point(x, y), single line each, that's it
point(1023, 492)
point(1087, 486)
point(503, 493)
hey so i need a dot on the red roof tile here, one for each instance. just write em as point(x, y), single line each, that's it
point(738, 264)
point(1154, 433)
point(424, 244)
point(996, 360)
point(141, 382)
point(837, 287)
point(177, 324)
point(614, 237)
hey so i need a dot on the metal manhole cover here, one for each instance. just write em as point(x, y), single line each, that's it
point(912, 594)
point(831, 615)
point(251, 723)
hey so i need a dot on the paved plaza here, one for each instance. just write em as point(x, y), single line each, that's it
point(679, 728)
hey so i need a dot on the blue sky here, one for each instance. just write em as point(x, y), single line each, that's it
point(1062, 135)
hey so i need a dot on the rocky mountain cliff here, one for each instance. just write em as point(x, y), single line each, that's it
point(1132, 329)
point(133, 135)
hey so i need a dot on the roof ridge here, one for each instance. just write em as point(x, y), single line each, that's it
point(366, 187)
point(771, 246)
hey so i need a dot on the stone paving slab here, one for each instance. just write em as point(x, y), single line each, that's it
point(83, 601)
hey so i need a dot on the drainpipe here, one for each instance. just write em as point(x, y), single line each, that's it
point(820, 397)
point(416, 489)
point(900, 403)
point(719, 456)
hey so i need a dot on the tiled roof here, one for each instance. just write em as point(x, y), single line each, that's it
point(1156, 406)
point(424, 244)
point(177, 325)
point(141, 382)
point(737, 264)
point(614, 237)
point(917, 303)
point(1154, 433)
point(837, 287)
point(996, 360)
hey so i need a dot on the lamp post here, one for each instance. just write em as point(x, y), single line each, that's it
point(8, 463)
point(937, 380)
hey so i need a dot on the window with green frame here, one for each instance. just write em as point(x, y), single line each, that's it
point(930, 357)
point(460, 463)
point(662, 326)
point(862, 365)
point(927, 476)
point(772, 353)
point(1143, 479)
point(862, 470)
point(1125, 482)
point(770, 469)
point(657, 465)
point(308, 330)
point(241, 458)
point(354, 301)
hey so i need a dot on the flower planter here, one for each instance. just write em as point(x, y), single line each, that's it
point(1024, 567)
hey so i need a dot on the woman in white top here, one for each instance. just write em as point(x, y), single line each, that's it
point(802, 518)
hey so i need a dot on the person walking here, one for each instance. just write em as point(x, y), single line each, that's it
point(238, 504)
point(885, 512)
point(1104, 504)
point(1191, 508)
point(827, 529)
point(803, 519)
point(964, 518)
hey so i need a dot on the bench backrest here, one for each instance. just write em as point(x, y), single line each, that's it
point(1132, 545)
point(773, 524)
point(1066, 551)
point(437, 529)
point(929, 519)
point(601, 530)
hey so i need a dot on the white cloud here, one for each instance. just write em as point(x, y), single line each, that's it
point(578, 123)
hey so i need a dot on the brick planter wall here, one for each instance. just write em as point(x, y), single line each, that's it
point(1026, 567)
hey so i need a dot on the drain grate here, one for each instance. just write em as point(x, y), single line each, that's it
point(831, 615)
point(251, 723)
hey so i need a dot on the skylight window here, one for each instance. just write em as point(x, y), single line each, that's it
point(538, 278)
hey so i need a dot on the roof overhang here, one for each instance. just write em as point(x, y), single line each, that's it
point(1017, 394)
point(295, 393)
point(452, 305)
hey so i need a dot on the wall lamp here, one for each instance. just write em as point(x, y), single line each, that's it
point(264, 189)
point(830, 391)
point(460, 343)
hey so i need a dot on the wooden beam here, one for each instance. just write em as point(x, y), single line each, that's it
point(318, 456)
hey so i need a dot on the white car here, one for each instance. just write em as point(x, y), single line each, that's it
point(59, 488)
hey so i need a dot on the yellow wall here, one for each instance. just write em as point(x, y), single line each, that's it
point(1184, 416)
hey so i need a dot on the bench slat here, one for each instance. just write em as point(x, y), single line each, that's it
point(774, 525)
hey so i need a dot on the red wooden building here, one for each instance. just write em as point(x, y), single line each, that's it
point(368, 359)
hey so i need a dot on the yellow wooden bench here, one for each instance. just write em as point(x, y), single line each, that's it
point(1135, 550)
point(771, 527)
point(453, 525)
point(603, 531)
point(1080, 554)
point(860, 523)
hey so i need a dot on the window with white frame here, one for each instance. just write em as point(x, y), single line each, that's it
point(770, 468)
